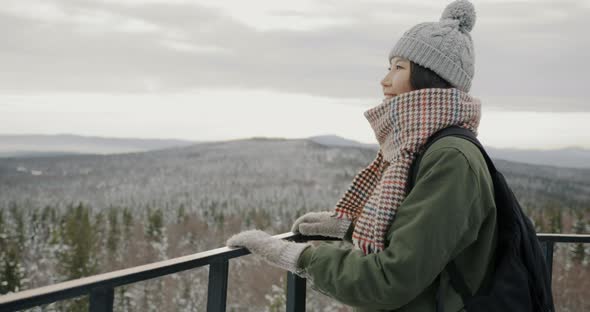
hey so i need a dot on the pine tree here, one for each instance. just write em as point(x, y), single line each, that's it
point(247, 220)
point(579, 227)
point(125, 298)
point(220, 220)
point(78, 258)
point(3, 231)
point(100, 233)
point(114, 236)
point(127, 221)
point(18, 221)
point(155, 224)
point(539, 223)
point(181, 216)
point(155, 232)
point(555, 223)
point(11, 272)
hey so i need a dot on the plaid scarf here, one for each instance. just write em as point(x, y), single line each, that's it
point(402, 125)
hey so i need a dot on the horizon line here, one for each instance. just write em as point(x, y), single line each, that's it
point(265, 137)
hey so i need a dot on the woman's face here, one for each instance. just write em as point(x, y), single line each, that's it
point(397, 79)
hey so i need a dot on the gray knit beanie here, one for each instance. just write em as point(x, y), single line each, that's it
point(445, 46)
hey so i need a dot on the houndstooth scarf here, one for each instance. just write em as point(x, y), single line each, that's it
point(402, 125)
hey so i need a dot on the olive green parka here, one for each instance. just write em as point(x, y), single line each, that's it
point(449, 214)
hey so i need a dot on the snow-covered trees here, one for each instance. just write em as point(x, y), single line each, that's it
point(118, 211)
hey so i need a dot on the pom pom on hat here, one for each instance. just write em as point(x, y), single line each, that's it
point(463, 11)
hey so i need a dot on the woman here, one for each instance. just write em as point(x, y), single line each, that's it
point(449, 213)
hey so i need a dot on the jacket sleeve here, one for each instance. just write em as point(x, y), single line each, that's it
point(436, 220)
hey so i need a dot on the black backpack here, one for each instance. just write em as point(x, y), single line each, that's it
point(520, 281)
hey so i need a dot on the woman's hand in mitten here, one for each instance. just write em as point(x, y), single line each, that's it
point(321, 223)
point(277, 252)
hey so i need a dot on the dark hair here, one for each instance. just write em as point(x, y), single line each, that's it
point(422, 78)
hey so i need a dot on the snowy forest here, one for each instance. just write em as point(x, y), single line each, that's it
point(66, 217)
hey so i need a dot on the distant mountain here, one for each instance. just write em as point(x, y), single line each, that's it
point(256, 173)
point(334, 140)
point(67, 144)
point(572, 157)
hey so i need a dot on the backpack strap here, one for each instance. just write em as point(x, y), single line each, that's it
point(456, 278)
point(453, 131)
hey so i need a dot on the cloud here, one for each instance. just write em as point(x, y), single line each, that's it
point(46, 11)
point(333, 49)
point(83, 19)
point(190, 47)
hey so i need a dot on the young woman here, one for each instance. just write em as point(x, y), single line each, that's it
point(402, 242)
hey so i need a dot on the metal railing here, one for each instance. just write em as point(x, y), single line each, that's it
point(101, 287)
point(548, 243)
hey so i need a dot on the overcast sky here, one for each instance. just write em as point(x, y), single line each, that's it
point(219, 69)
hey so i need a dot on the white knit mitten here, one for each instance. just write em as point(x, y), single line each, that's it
point(321, 223)
point(277, 252)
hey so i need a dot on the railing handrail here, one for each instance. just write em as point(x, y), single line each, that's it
point(563, 238)
point(83, 286)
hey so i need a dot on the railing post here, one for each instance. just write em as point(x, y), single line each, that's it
point(295, 293)
point(548, 250)
point(101, 299)
point(217, 289)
